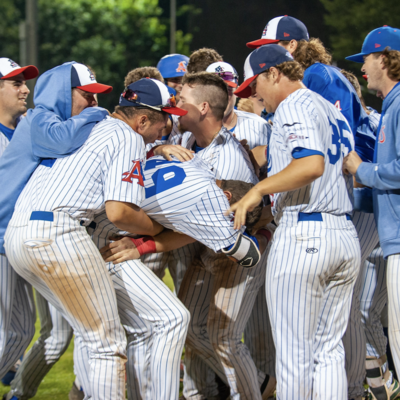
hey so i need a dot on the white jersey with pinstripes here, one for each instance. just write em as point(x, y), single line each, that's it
point(185, 198)
point(225, 156)
point(3, 143)
point(307, 124)
point(253, 128)
point(107, 167)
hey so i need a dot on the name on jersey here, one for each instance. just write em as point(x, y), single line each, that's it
point(294, 137)
point(135, 172)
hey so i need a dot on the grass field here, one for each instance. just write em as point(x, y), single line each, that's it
point(57, 384)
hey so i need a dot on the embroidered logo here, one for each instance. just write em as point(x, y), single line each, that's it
point(135, 173)
point(382, 136)
point(262, 65)
point(181, 67)
point(377, 45)
point(312, 250)
point(286, 34)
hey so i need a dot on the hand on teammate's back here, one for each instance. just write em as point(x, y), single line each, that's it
point(121, 249)
point(168, 150)
point(351, 163)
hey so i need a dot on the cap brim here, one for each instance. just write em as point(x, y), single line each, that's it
point(96, 88)
point(29, 72)
point(260, 42)
point(231, 84)
point(244, 90)
point(359, 58)
point(175, 111)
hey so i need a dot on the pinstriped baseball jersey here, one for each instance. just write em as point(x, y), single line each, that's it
point(253, 128)
point(311, 125)
point(225, 156)
point(185, 198)
point(109, 168)
point(3, 143)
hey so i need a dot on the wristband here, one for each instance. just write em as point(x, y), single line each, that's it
point(145, 244)
point(266, 233)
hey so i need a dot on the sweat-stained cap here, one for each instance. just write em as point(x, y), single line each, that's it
point(226, 72)
point(150, 93)
point(376, 41)
point(82, 78)
point(281, 28)
point(259, 61)
point(9, 69)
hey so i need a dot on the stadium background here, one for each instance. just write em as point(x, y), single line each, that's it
point(115, 36)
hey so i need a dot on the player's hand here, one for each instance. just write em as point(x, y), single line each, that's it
point(251, 200)
point(123, 249)
point(351, 163)
point(168, 150)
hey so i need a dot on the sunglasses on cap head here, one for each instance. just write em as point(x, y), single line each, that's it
point(132, 96)
point(228, 76)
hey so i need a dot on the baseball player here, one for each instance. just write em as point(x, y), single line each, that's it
point(328, 81)
point(55, 332)
point(172, 68)
point(16, 295)
point(382, 76)
point(86, 296)
point(200, 59)
point(314, 256)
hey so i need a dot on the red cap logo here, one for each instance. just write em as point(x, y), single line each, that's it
point(377, 45)
point(262, 65)
point(286, 34)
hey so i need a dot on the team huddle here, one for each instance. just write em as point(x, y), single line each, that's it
point(277, 215)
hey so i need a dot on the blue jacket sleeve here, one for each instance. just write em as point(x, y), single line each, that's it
point(380, 176)
point(54, 138)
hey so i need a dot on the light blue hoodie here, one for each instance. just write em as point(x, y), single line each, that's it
point(383, 175)
point(48, 131)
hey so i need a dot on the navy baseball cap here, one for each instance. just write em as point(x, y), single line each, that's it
point(281, 28)
point(9, 69)
point(83, 78)
point(259, 61)
point(150, 93)
point(173, 65)
point(376, 41)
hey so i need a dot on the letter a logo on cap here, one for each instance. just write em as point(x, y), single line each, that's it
point(377, 45)
point(181, 67)
point(262, 65)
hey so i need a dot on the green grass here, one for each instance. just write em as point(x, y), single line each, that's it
point(57, 384)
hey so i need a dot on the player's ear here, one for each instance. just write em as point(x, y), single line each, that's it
point(228, 195)
point(204, 108)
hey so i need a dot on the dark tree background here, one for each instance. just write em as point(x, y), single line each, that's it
point(114, 36)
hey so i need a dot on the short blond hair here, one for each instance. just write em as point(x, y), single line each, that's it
point(143, 72)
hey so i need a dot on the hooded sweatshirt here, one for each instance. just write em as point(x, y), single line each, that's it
point(47, 131)
point(383, 175)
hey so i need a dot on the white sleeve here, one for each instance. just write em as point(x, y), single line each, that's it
point(123, 169)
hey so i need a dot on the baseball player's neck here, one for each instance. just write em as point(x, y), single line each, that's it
point(206, 131)
point(8, 119)
point(230, 120)
point(387, 86)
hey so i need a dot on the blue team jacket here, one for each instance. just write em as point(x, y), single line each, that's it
point(383, 175)
point(333, 86)
point(48, 131)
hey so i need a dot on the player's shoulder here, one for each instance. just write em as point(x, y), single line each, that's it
point(115, 129)
point(295, 107)
point(248, 116)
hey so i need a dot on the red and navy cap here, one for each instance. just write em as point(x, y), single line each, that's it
point(9, 69)
point(281, 28)
point(376, 41)
point(150, 93)
point(259, 61)
point(83, 78)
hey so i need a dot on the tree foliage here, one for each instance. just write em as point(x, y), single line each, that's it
point(112, 36)
point(350, 21)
